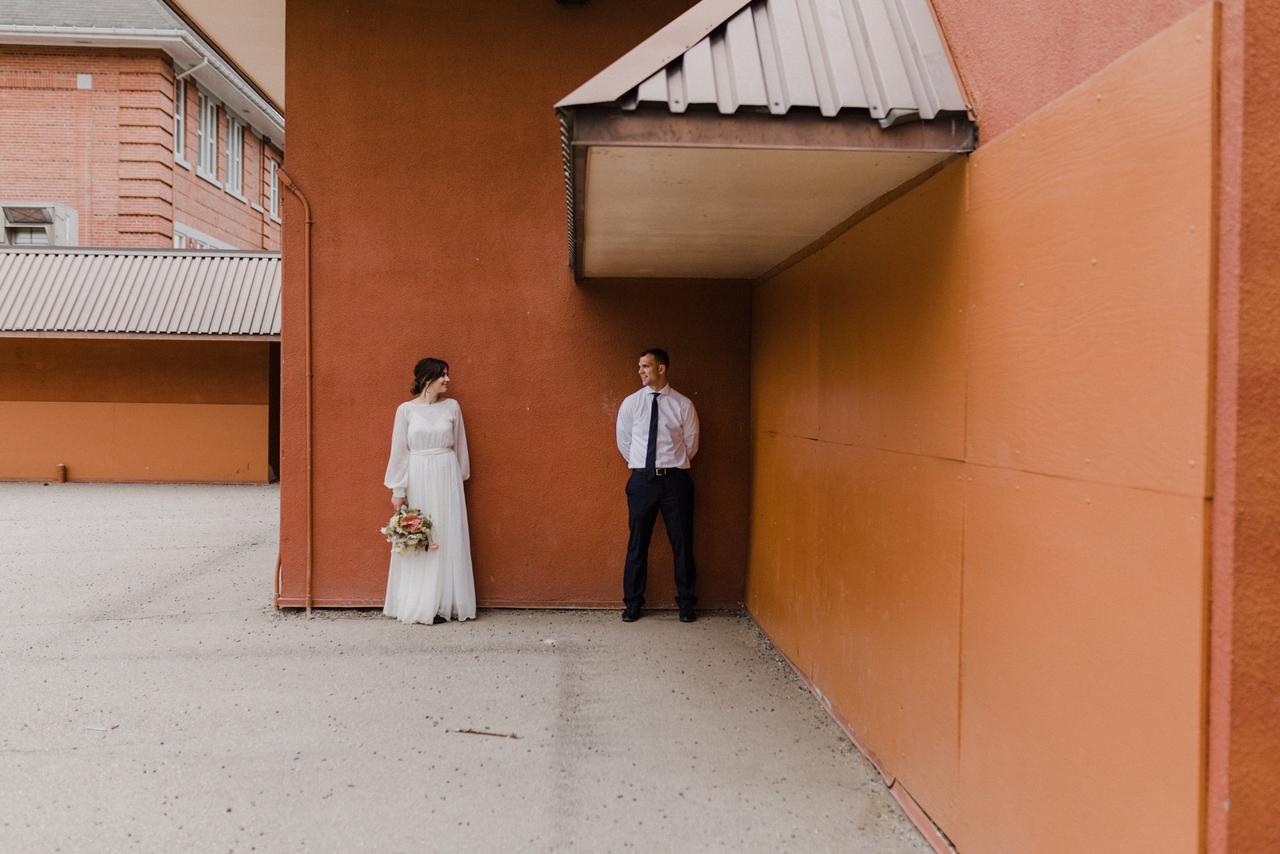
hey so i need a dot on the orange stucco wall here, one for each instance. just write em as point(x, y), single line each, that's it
point(424, 139)
point(127, 410)
point(980, 428)
point(1244, 702)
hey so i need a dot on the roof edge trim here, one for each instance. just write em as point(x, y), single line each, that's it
point(200, 33)
point(180, 45)
point(142, 336)
point(669, 42)
point(113, 250)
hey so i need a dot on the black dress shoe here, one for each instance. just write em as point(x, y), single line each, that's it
point(687, 615)
point(631, 614)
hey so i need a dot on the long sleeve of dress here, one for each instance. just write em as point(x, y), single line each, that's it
point(460, 445)
point(398, 466)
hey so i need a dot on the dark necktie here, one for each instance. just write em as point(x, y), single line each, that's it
point(651, 452)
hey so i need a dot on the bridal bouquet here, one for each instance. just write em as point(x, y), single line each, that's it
point(407, 530)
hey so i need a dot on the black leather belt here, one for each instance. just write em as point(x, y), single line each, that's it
point(659, 472)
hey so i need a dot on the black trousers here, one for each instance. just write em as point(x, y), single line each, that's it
point(672, 495)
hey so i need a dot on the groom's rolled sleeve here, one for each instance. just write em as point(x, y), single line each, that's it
point(691, 431)
point(625, 420)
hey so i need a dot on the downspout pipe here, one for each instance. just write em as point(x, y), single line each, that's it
point(306, 355)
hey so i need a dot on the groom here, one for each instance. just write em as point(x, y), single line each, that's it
point(658, 436)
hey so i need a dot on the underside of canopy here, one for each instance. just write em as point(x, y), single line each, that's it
point(742, 132)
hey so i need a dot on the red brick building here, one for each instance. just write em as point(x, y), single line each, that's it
point(123, 126)
point(126, 132)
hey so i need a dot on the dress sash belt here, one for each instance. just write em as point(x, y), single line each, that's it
point(430, 452)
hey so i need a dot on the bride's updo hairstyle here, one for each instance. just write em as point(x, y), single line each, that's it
point(427, 371)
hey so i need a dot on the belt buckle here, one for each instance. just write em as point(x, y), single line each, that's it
point(659, 472)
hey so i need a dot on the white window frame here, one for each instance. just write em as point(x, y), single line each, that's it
point(180, 122)
point(14, 235)
point(207, 134)
point(273, 197)
point(62, 229)
point(235, 158)
point(195, 239)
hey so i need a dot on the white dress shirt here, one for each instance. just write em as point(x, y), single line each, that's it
point(677, 428)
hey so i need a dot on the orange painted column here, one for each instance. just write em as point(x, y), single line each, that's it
point(1244, 688)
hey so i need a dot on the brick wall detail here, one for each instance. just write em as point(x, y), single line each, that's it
point(107, 151)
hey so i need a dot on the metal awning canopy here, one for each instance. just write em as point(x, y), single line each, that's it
point(742, 132)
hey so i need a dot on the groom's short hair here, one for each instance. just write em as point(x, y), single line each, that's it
point(659, 355)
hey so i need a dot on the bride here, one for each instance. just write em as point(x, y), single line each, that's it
point(427, 467)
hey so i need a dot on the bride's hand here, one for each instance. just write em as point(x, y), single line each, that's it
point(397, 502)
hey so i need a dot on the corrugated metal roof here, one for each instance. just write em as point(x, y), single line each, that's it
point(139, 291)
point(883, 56)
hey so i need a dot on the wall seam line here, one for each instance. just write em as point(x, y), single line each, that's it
point(992, 466)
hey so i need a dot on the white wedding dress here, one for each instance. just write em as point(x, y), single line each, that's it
point(428, 465)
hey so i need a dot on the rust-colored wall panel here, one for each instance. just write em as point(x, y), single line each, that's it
point(133, 371)
point(544, 533)
point(106, 441)
point(1089, 333)
point(785, 357)
point(469, 263)
point(858, 420)
point(1041, 715)
point(891, 352)
point(787, 551)
point(1244, 740)
point(1082, 666)
point(863, 346)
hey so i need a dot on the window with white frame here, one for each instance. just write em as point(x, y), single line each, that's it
point(235, 157)
point(28, 224)
point(207, 134)
point(273, 181)
point(186, 237)
point(180, 119)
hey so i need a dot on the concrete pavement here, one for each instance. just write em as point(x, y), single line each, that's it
point(154, 701)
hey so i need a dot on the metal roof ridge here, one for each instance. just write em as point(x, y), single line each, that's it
point(885, 57)
point(642, 61)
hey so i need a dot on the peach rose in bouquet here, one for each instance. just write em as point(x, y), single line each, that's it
point(408, 530)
